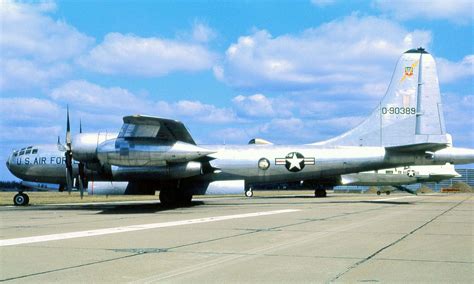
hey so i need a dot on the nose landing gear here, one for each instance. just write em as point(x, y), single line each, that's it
point(21, 199)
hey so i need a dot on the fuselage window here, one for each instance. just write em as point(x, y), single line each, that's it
point(34, 151)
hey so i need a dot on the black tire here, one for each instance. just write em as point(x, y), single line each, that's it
point(185, 199)
point(320, 192)
point(249, 193)
point(21, 199)
point(378, 192)
point(168, 198)
point(387, 193)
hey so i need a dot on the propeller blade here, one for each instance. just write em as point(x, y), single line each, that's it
point(80, 125)
point(68, 131)
point(81, 179)
point(68, 154)
point(81, 187)
point(68, 180)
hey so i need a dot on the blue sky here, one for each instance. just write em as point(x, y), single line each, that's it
point(285, 71)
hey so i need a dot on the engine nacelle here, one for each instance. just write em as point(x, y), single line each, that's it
point(84, 145)
point(120, 188)
point(129, 153)
point(173, 171)
point(214, 187)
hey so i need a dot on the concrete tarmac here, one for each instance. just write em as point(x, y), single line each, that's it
point(341, 238)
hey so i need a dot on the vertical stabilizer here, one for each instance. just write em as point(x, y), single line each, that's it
point(409, 113)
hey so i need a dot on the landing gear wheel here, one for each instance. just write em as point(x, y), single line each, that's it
point(387, 193)
point(378, 192)
point(21, 199)
point(320, 192)
point(249, 193)
point(168, 198)
point(185, 199)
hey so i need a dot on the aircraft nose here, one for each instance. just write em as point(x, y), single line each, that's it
point(8, 161)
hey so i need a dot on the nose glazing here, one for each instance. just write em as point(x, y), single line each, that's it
point(9, 160)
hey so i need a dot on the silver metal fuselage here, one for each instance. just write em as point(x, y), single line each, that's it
point(252, 163)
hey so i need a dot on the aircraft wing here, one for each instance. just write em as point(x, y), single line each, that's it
point(163, 130)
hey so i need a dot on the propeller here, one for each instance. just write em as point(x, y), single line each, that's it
point(82, 176)
point(68, 154)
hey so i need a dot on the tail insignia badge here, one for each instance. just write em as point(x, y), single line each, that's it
point(408, 71)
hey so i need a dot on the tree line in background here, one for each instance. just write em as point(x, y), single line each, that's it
point(9, 185)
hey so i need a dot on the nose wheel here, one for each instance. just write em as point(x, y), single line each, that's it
point(249, 193)
point(21, 199)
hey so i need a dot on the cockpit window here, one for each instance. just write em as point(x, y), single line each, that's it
point(34, 151)
point(28, 151)
point(15, 153)
point(139, 130)
point(21, 152)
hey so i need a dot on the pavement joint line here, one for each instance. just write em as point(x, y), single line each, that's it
point(132, 228)
point(69, 267)
point(394, 242)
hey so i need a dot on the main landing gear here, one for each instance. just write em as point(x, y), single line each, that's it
point(320, 192)
point(21, 199)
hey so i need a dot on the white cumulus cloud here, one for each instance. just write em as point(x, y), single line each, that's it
point(354, 50)
point(30, 110)
point(133, 55)
point(256, 105)
point(457, 11)
point(90, 98)
point(449, 71)
point(35, 48)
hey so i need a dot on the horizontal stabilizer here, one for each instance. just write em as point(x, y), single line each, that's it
point(420, 147)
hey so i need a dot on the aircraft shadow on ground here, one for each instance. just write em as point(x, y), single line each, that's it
point(147, 208)
point(135, 208)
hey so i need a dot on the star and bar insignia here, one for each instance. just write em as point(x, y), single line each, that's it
point(294, 161)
